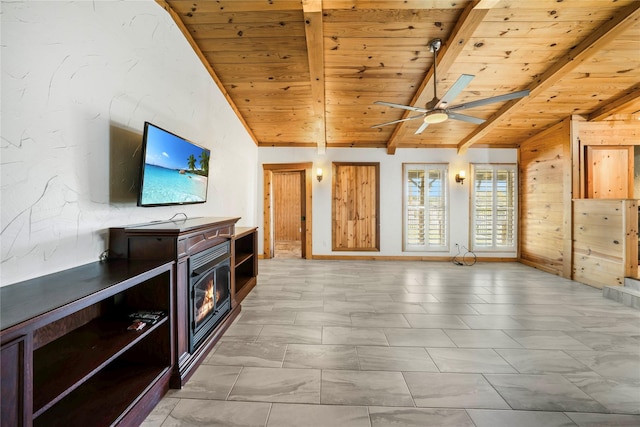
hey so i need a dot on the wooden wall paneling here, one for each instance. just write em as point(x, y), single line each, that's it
point(571, 184)
point(631, 238)
point(603, 236)
point(610, 133)
point(545, 188)
point(355, 206)
point(624, 132)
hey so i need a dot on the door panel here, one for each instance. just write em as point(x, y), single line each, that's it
point(356, 207)
point(287, 206)
point(608, 172)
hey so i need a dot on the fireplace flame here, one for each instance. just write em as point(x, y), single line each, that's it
point(207, 302)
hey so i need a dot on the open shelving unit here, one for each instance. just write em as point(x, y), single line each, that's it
point(245, 243)
point(78, 363)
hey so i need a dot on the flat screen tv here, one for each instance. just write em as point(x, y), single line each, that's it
point(174, 171)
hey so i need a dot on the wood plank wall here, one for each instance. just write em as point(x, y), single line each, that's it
point(286, 204)
point(605, 245)
point(545, 182)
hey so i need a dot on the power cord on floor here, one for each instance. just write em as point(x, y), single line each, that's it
point(468, 259)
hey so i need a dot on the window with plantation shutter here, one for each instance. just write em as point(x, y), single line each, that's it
point(494, 198)
point(425, 207)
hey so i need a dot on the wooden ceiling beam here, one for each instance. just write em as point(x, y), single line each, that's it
point(187, 35)
point(630, 101)
point(389, 4)
point(312, 10)
point(590, 46)
point(466, 25)
point(229, 6)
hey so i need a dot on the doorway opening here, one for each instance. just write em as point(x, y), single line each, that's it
point(287, 210)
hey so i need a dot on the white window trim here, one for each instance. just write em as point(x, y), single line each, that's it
point(444, 167)
point(472, 235)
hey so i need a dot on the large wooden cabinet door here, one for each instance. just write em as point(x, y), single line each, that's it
point(609, 172)
point(15, 371)
point(356, 207)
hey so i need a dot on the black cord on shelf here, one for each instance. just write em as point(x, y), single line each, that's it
point(179, 213)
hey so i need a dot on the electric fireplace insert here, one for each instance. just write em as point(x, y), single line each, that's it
point(209, 291)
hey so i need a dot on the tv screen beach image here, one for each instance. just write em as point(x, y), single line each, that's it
point(175, 170)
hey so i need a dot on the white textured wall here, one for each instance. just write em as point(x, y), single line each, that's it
point(390, 191)
point(79, 78)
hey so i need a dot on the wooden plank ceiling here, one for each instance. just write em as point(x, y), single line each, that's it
point(303, 73)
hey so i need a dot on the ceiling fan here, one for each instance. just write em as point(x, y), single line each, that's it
point(438, 110)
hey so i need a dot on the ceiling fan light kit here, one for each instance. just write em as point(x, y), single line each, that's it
point(438, 110)
point(435, 116)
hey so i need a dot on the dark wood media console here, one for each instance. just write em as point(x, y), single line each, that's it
point(67, 357)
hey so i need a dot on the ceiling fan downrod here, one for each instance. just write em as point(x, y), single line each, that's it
point(434, 46)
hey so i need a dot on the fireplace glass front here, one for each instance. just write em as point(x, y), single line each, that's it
point(210, 279)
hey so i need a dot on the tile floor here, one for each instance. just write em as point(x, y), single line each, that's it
point(378, 343)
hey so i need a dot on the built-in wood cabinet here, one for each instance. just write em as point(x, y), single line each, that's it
point(245, 246)
point(68, 357)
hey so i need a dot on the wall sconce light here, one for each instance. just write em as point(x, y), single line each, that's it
point(460, 176)
point(319, 174)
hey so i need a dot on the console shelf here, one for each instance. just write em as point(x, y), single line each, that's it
point(241, 258)
point(80, 354)
point(245, 244)
point(89, 405)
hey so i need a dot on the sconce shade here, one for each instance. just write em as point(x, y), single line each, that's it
point(460, 176)
point(319, 174)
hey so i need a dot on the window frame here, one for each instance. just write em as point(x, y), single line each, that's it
point(495, 167)
point(426, 247)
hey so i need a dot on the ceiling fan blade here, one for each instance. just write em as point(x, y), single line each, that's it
point(422, 127)
point(465, 118)
point(404, 107)
point(499, 98)
point(455, 90)
point(399, 121)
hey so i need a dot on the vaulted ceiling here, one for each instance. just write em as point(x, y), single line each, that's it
point(304, 73)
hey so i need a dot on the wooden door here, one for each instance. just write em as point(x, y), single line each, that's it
point(609, 172)
point(356, 207)
point(287, 213)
